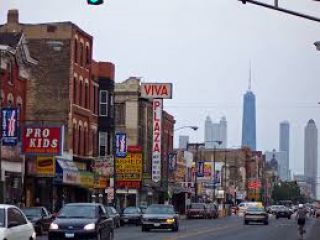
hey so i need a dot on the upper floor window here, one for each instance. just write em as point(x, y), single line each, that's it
point(10, 72)
point(103, 143)
point(87, 55)
point(81, 54)
point(103, 103)
point(80, 93)
point(120, 114)
point(86, 95)
point(75, 90)
point(75, 51)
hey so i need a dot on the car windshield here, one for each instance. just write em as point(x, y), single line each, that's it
point(159, 210)
point(77, 211)
point(2, 218)
point(130, 210)
point(197, 206)
point(32, 212)
point(255, 210)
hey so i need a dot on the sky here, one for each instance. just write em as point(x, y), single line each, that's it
point(204, 47)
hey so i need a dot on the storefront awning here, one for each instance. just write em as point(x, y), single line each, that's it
point(67, 172)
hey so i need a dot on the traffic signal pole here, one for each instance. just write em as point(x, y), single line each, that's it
point(277, 8)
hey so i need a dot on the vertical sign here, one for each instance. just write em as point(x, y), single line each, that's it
point(200, 169)
point(156, 147)
point(9, 126)
point(121, 145)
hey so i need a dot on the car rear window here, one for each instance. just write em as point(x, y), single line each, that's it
point(2, 218)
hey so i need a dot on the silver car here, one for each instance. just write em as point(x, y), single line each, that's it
point(160, 216)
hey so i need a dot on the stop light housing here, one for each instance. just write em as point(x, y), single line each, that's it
point(95, 2)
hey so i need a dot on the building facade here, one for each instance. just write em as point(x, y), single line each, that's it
point(249, 121)
point(311, 155)
point(284, 146)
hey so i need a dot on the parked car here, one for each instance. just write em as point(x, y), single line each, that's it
point(39, 217)
point(131, 215)
point(256, 214)
point(317, 214)
point(14, 224)
point(282, 212)
point(196, 210)
point(160, 216)
point(114, 215)
point(212, 210)
point(82, 221)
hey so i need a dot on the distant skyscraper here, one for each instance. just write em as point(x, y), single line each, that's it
point(183, 142)
point(311, 155)
point(249, 119)
point(284, 136)
point(279, 156)
point(215, 132)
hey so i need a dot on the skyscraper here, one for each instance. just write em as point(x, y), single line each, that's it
point(249, 119)
point(284, 135)
point(183, 141)
point(215, 132)
point(311, 155)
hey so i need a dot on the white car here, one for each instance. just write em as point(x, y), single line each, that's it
point(14, 225)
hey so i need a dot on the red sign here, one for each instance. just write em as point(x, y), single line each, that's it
point(254, 184)
point(42, 140)
point(156, 90)
point(128, 184)
point(134, 149)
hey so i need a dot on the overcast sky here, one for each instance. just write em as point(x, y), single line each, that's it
point(204, 48)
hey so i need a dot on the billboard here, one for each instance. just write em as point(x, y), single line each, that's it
point(45, 166)
point(130, 167)
point(121, 145)
point(9, 126)
point(42, 140)
point(156, 147)
point(156, 90)
point(205, 168)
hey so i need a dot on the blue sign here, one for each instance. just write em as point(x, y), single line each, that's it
point(9, 126)
point(200, 169)
point(121, 145)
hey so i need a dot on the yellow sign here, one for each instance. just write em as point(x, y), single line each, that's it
point(86, 179)
point(130, 167)
point(46, 166)
point(100, 182)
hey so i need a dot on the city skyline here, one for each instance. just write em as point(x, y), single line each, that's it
point(284, 145)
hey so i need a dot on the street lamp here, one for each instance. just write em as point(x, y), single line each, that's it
point(194, 128)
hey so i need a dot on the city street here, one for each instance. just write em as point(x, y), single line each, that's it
point(230, 228)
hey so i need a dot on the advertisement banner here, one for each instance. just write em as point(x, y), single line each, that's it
point(200, 169)
point(121, 145)
point(9, 126)
point(217, 175)
point(128, 184)
point(172, 162)
point(100, 182)
point(156, 147)
point(42, 140)
point(156, 90)
point(45, 166)
point(86, 179)
point(207, 171)
point(71, 177)
point(130, 167)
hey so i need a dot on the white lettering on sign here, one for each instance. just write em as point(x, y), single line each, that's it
point(156, 90)
point(40, 138)
point(156, 147)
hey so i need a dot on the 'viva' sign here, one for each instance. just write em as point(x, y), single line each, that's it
point(156, 90)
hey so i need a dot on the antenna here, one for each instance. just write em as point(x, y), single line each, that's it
point(249, 87)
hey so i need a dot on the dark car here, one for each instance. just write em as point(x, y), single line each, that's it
point(196, 210)
point(212, 210)
point(256, 214)
point(160, 216)
point(131, 215)
point(81, 221)
point(39, 217)
point(114, 215)
point(282, 212)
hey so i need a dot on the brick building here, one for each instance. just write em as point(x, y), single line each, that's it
point(15, 64)
point(62, 92)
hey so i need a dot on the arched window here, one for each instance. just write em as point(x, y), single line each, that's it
point(86, 95)
point(87, 55)
point(10, 99)
point(74, 139)
point(75, 85)
point(81, 93)
point(76, 51)
point(81, 54)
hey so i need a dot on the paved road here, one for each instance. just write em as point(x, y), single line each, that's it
point(230, 228)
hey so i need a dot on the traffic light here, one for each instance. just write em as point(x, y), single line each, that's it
point(95, 2)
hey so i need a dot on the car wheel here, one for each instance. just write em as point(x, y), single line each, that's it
point(277, 216)
point(246, 222)
point(175, 228)
point(144, 229)
point(266, 222)
point(289, 217)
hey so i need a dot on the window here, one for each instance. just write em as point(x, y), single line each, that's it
point(75, 51)
point(74, 140)
point(95, 97)
point(81, 54)
point(103, 104)
point(80, 93)
point(10, 72)
point(87, 55)
point(102, 143)
point(75, 90)
point(86, 96)
point(120, 114)
point(14, 215)
point(79, 140)
point(51, 28)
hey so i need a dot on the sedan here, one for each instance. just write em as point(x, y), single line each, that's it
point(114, 215)
point(131, 215)
point(160, 216)
point(256, 214)
point(283, 212)
point(82, 221)
point(39, 217)
point(14, 224)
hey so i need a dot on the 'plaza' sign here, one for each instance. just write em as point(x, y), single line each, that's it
point(156, 147)
point(42, 140)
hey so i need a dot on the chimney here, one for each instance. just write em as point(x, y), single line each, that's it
point(13, 16)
